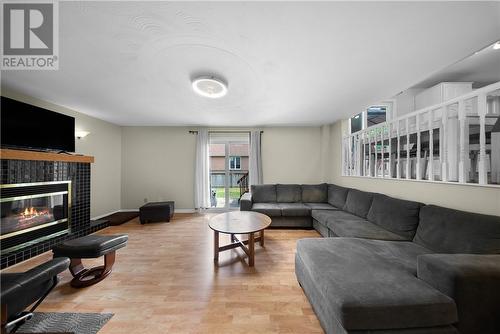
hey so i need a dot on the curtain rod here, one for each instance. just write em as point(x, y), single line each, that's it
point(195, 132)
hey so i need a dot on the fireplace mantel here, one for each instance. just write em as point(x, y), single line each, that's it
point(9, 154)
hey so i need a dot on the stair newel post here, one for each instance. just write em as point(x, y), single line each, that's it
point(482, 110)
point(444, 144)
point(431, 146)
point(382, 151)
point(462, 178)
point(418, 171)
point(369, 153)
point(398, 169)
point(408, 163)
point(363, 141)
point(389, 169)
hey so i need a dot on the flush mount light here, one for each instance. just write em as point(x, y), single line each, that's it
point(496, 46)
point(209, 86)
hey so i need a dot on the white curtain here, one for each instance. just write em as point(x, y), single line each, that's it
point(202, 171)
point(255, 164)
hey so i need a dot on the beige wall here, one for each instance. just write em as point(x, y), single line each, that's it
point(291, 155)
point(469, 198)
point(104, 143)
point(158, 162)
point(158, 165)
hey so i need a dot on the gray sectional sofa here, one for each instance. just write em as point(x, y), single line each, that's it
point(388, 265)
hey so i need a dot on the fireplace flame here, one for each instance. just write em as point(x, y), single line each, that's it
point(32, 212)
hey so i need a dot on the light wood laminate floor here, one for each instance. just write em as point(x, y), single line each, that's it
point(165, 281)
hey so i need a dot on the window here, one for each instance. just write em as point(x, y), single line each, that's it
point(375, 115)
point(234, 162)
point(357, 123)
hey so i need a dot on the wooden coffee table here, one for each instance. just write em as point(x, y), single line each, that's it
point(239, 222)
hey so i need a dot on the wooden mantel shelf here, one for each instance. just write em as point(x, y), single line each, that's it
point(9, 154)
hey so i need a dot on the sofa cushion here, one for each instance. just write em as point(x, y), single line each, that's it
point(314, 193)
point(320, 206)
point(472, 281)
point(396, 215)
point(344, 224)
point(358, 202)
point(294, 209)
point(372, 284)
point(322, 215)
point(270, 209)
point(337, 195)
point(446, 230)
point(288, 193)
point(263, 193)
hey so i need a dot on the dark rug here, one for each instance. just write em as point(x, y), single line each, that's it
point(119, 218)
point(77, 323)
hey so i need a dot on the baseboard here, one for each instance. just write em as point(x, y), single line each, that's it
point(185, 210)
point(110, 213)
point(134, 210)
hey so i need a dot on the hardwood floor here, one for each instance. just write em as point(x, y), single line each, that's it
point(165, 281)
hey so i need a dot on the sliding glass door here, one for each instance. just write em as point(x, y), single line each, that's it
point(229, 152)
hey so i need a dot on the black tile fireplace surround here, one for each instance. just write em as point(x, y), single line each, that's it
point(32, 171)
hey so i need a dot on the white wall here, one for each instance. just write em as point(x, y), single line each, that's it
point(292, 155)
point(158, 165)
point(462, 197)
point(104, 143)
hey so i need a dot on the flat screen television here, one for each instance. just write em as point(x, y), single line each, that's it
point(25, 126)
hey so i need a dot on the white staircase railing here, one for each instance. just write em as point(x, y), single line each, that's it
point(456, 141)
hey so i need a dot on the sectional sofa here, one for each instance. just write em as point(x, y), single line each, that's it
point(388, 265)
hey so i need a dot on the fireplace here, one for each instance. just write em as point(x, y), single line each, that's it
point(33, 212)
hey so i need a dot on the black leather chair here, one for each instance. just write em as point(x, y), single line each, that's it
point(20, 290)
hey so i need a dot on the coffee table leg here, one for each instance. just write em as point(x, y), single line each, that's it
point(216, 246)
point(251, 250)
point(262, 238)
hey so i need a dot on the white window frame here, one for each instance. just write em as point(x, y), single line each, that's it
point(232, 161)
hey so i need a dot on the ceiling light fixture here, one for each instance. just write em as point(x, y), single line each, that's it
point(496, 46)
point(210, 86)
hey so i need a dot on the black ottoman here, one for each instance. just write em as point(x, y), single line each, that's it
point(156, 211)
point(90, 247)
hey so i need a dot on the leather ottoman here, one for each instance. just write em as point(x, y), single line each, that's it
point(90, 247)
point(156, 211)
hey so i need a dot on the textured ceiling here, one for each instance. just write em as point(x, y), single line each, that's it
point(292, 63)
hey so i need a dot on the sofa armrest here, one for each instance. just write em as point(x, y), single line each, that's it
point(473, 281)
point(246, 202)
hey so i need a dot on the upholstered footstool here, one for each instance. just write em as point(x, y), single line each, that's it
point(156, 211)
point(90, 247)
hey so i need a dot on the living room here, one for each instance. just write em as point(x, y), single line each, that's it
point(186, 130)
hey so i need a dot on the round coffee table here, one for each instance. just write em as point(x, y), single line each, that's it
point(239, 222)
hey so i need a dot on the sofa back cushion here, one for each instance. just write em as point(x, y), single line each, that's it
point(263, 193)
point(396, 215)
point(358, 202)
point(314, 193)
point(445, 230)
point(337, 195)
point(288, 193)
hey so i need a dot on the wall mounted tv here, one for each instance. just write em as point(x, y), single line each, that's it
point(25, 126)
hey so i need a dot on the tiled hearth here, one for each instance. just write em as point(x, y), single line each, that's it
point(29, 171)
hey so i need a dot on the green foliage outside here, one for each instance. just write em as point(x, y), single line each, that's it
point(233, 192)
